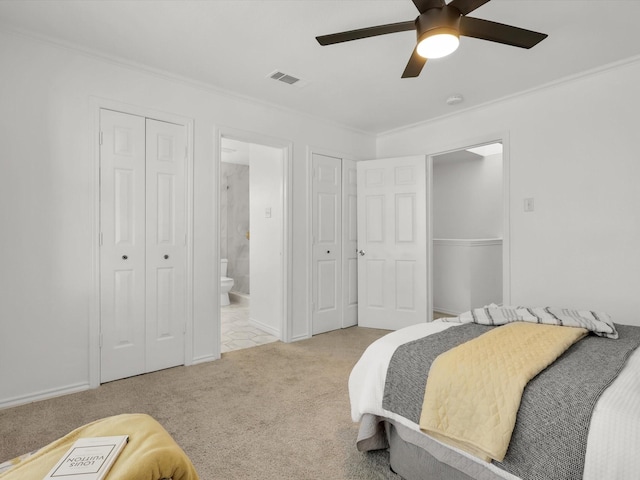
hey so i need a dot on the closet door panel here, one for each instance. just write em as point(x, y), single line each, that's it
point(327, 243)
point(166, 244)
point(122, 253)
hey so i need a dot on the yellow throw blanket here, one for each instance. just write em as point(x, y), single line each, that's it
point(474, 390)
point(151, 453)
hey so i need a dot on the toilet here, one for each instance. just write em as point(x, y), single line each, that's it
point(225, 283)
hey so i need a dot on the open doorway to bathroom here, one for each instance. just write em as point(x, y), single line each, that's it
point(251, 244)
point(467, 205)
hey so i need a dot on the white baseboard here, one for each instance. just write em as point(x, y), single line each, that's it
point(265, 328)
point(297, 338)
point(447, 311)
point(43, 395)
point(204, 359)
point(239, 298)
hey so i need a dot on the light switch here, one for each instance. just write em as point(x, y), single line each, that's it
point(267, 212)
point(528, 205)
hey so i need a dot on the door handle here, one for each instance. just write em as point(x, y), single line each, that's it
point(124, 257)
point(361, 252)
point(166, 257)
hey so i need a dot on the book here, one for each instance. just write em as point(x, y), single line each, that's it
point(88, 458)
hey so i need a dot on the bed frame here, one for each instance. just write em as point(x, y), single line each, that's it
point(416, 456)
point(414, 463)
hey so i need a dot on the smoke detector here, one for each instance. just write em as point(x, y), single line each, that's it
point(455, 99)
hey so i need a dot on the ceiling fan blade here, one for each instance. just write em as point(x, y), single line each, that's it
point(499, 32)
point(467, 6)
point(424, 5)
point(366, 32)
point(414, 67)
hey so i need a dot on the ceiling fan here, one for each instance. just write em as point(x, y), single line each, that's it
point(438, 28)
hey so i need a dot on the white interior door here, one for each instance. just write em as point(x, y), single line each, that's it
point(122, 253)
point(165, 245)
point(327, 243)
point(392, 242)
point(349, 244)
point(143, 245)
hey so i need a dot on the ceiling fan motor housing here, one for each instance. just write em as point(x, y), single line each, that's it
point(438, 20)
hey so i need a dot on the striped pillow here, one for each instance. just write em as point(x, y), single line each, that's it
point(597, 322)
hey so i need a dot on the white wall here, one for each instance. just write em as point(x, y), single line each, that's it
point(466, 274)
point(467, 197)
point(267, 275)
point(573, 147)
point(47, 194)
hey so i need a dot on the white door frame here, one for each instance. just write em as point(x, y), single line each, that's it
point(286, 328)
point(349, 243)
point(96, 104)
point(309, 228)
point(506, 229)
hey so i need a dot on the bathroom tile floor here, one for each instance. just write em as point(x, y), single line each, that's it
point(237, 333)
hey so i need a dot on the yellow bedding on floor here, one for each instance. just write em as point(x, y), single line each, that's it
point(151, 453)
point(474, 390)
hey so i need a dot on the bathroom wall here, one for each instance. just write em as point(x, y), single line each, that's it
point(234, 223)
point(223, 211)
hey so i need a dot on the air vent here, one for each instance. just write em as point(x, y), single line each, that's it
point(286, 78)
point(283, 77)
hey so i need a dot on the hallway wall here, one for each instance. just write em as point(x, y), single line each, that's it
point(267, 242)
point(467, 197)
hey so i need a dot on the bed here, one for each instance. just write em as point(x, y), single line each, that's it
point(597, 440)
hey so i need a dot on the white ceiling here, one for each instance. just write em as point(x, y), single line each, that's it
point(235, 151)
point(234, 45)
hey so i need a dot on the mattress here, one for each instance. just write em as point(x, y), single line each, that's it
point(614, 434)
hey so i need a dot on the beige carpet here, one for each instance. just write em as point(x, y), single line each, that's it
point(278, 411)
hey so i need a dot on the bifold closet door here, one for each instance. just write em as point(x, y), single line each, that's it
point(166, 245)
point(327, 243)
point(143, 245)
point(123, 245)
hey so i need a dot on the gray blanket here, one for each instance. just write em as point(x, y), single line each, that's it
point(550, 437)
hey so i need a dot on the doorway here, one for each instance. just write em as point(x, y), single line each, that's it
point(252, 219)
point(467, 229)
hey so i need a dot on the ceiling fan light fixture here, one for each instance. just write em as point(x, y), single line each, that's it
point(438, 43)
point(438, 29)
